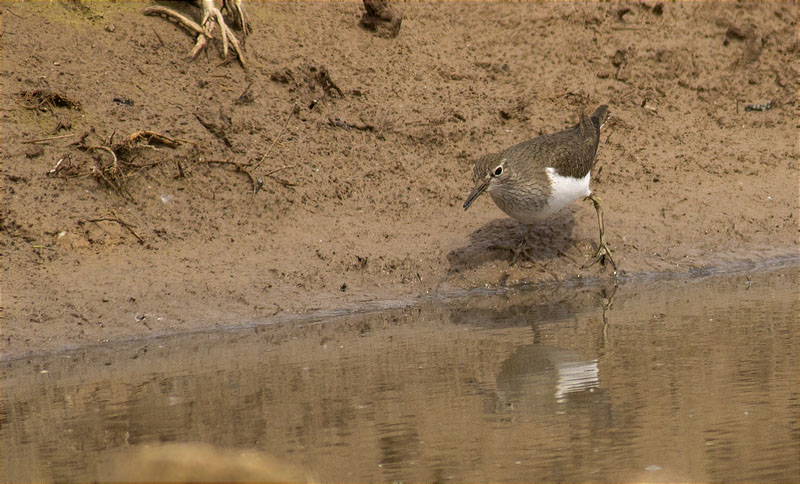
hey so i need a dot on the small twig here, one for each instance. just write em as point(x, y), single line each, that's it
point(245, 97)
point(241, 168)
point(146, 165)
point(180, 174)
point(44, 140)
point(124, 224)
point(106, 149)
point(153, 136)
point(227, 162)
point(285, 183)
point(97, 169)
point(160, 40)
point(338, 123)
point(34, 106)
point(115, 172)
point(6, 9)
point(276, 170)
point(285, 124)
point(56, 168)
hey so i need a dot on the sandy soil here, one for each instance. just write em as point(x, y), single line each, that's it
point(361, 147)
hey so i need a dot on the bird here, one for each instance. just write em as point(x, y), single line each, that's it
point(535, 179)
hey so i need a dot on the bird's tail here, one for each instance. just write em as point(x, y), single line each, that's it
point(600, 116)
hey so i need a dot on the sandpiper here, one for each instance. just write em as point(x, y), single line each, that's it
point(535, 179)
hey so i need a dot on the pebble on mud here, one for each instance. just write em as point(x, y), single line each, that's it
point(34, 151)
point(382, 18)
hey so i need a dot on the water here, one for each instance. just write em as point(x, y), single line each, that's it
point(683, 380)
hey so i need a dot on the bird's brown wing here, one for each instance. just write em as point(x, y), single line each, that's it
point(571, 151)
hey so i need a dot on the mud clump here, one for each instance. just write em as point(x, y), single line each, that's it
point(382, 18)
point(313, 83)
point(45, 99)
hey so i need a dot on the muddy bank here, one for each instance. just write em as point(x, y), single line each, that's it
point(360, 147)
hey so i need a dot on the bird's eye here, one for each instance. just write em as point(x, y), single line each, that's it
point(498, 171)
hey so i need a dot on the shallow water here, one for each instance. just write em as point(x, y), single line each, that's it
point(683, 380)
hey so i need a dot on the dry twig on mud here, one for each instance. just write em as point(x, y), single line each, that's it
point(338, 123)
point(246, 97)
point(294, 111)
point(153, 136)
point(249, 168)
point(54, 170)
point(239, 168)
point(110, 175)
point(47, 140)
point(108, 150)
point(257, 183)
point(276, 170)
point(115, 218)
point(283, 182)
point(114, 170)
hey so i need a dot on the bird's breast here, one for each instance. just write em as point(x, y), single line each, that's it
point(535, 202)
point(565, 189)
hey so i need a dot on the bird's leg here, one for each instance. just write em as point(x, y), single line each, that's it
point(212, 17)
point(521, 249)
point(603, 251)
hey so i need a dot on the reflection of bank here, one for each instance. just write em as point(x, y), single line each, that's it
point(539, 376)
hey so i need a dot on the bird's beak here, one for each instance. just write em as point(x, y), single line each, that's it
point(476, 192)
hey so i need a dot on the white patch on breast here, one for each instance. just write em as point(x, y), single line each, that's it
point(565, 190)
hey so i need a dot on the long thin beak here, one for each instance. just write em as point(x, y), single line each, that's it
point(476, 192)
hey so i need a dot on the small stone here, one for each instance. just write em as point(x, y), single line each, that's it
point(382, 18)
point(619, 58)
point(735, 33)
point(658, 9)
point(34, 151)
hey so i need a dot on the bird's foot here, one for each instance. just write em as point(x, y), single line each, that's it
point(602, 255)
point(603, 251)
point(520, 251)
point(212, 17)
point(517, 251)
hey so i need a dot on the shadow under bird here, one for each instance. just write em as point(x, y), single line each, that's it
point(535, 179)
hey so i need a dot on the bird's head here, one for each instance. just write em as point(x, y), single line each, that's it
point(489, 172)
